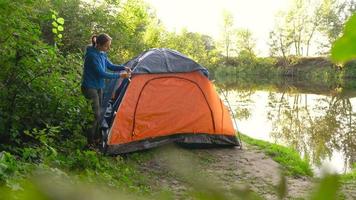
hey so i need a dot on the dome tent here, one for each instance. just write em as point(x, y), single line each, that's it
point(169, 99)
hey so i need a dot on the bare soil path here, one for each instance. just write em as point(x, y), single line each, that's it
point(223, 168)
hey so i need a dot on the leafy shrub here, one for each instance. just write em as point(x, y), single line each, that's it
point(351, 175)
point(40, 88)
point(81, 160)
point(350, 69)
point(8, 166)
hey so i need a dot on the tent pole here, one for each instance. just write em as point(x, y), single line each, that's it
point(232, 114)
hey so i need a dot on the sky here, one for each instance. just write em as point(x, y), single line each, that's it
point(205, 16)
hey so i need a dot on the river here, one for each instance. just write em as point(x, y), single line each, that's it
point(318, 122)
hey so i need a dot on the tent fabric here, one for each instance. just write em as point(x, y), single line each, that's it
point(180, 107)
point(156, 60)
point(190, 140)
point(111, 85)
point(169, 99)
point(162, 60)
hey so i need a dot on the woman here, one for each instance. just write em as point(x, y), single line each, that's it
point(95, 64)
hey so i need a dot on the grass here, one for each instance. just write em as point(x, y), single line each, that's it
point(351, 176)
point(79, 166)
point(287, 157)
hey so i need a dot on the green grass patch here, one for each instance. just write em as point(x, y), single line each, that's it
point(80, 166)
point(351, 176)
point(287, 157)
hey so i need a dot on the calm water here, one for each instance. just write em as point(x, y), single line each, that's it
point(321, 127)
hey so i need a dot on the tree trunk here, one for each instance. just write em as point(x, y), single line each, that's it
point(282, 48)
point(310, 37)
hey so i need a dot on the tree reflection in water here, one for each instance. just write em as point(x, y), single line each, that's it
point(316, 125)
point(317, 129)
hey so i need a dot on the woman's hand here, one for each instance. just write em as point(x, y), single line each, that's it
point(125, 74)
point(128, 70)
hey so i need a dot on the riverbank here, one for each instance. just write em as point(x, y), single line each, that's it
point(258, 171)
point(318, 70)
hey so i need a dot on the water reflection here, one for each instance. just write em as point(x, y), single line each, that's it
point(322, 127)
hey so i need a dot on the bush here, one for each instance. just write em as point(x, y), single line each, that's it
point(8, 166)
point(40, 88)
point(350, 69)
point(81, 160)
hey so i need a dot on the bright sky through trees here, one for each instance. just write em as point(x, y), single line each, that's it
point(205, 16)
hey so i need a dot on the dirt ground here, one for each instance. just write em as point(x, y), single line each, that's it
point(224, 169)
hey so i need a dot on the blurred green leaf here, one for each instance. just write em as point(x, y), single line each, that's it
point(344, 49)
point(54, 30)
point(327, 189)
point(54, 24)
point(60, 20)
point(60, 28)
point(281, 188)
point(54, 12)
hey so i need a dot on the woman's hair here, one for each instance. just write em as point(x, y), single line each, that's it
point(100, 39)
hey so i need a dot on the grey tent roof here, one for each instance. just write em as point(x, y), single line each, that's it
point(162, 60)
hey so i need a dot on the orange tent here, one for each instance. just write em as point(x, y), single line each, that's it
point(159, 108)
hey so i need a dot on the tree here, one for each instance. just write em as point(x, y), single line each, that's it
point(227, 33)
point(333, 16)
point(79, 24)
point(279, 39)
point(245, 41)
point(200, 48)
point(128, 29)
point(212, 53)
point(154, 33)
point(296, 20)
point(305, 19)
point(302, 21)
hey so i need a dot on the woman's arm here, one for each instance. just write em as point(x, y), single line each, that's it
point(114, 67)
point(95, 64)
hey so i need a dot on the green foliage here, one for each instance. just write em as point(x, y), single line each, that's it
point(246, 44)
point(351, 176)
point(333, 17)
point(44, 136)
point(57, 26)
point(246, 66)
point(296, 29)
point(81, 160)
point(349, 69)
point(81, 166)
point(328, 188)
point(200, 48)
point(135, 19)
point(8, 166)
point(32, 154)
point(342, 50)
point(12, 171)
point(281, 188)
point(39, 86)
point(318, 75)
point(227, 33)
point(287, 157)
point(107, 173)
point(249, 71)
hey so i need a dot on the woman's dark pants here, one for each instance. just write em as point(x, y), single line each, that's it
point(95, 96)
